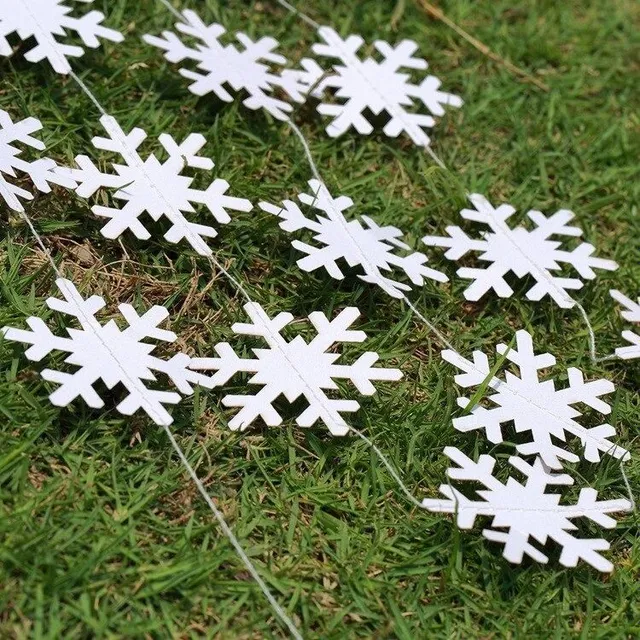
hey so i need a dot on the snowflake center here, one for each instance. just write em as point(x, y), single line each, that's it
point(300, 368)
point(380, 84)
point(531, 254)
point(155, 187)
point(110, 352)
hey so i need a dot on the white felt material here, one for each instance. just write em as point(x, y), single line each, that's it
point(107, 353)
point(41, 171)
point(250, 67)
point(521, 252)
point(295, 368)
point(535, 407)
point(380, 86)
point(523, 513)
point(372, 248)
point(632, 314)
point(47, 21)
point(154, 187)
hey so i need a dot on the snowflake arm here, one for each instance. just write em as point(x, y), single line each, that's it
point(104, 352)
point(524, 512)
point(367, 245)
point(521, 252)
point(47, 20)
point(153, 187)
point(535, 407)
point(248, 68)
point(42, 171)
point(632, 314)
point(361, 85)
point(295, 369)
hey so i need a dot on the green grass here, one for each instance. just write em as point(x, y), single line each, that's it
point(102, 533)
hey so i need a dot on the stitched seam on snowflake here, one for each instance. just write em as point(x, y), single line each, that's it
point(506, 232)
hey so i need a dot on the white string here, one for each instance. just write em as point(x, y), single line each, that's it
point(173, 10)
point(290, 7)
point(281, 613)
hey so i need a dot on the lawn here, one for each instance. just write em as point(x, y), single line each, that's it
point(103, 534)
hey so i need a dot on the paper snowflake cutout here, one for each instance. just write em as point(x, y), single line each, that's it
point(107, 353)
point(249, 68)
point(520, 252)
point(157, 188)
point(524, 511)
point(631, 313)
point(40, 171)
point(295, 369)
point(369, 246)
point(535, 407)
point(380, 87)
point(45, 21)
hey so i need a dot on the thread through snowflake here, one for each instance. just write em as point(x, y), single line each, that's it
point(46, 21)
point(42, 171)
point(524, 511)
point(249, 67)
point(521, 252)
point(535, 407)
point(153, 187)
point(294, 369)
point(367, 84)
point(368, 246)
point(107, 353)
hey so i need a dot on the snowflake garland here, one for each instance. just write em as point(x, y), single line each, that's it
point(520, 252)
point(249, 68)
point(632, 314)
point(295, 369)
point(157, 188)
point(535, 407)
point(107, 353)
point(41, 172)
point(526, 511)
point(369, 246)
point(380, 87)
point(45, 21)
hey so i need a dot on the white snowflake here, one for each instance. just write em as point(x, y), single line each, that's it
point(40, 171)
point(520, 252)
point(154, 187)
point(526, 511)
point(632, 314)
point(369, 246)
point(295, 369)
point(367, 84)
point(47, 20)
point(533, 405)
point(249, 68)
point(104, 352)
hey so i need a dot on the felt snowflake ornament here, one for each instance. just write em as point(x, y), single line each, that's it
point(154, 187)
point(295, 368)
point(384, 86)
point(524, 511)
point(534, 406)
point(372, 248)
point(520, 252)
point(248, 67)
point(46, 21)
point(631, 313)
point(107, 353)
point(41, 172)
